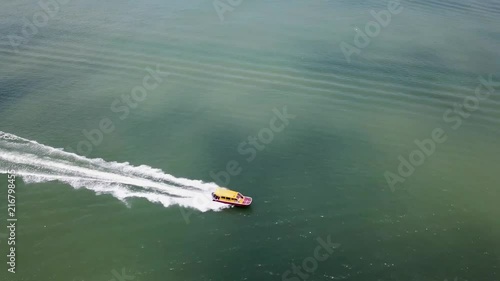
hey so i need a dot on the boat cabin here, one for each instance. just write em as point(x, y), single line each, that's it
point(227, 195)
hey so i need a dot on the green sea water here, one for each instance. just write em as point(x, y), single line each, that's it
point(330, 173)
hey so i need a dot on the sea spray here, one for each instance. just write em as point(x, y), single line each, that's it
point(36, 163)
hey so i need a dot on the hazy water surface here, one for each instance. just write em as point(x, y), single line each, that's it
point(116, 205)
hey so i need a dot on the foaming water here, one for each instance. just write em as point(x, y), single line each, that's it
point(36, 163)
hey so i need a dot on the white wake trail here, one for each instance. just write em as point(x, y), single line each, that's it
point(36, 162)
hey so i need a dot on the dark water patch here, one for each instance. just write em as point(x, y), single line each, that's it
point(18, 87)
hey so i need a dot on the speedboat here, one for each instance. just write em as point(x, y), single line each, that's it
point(227, 196)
